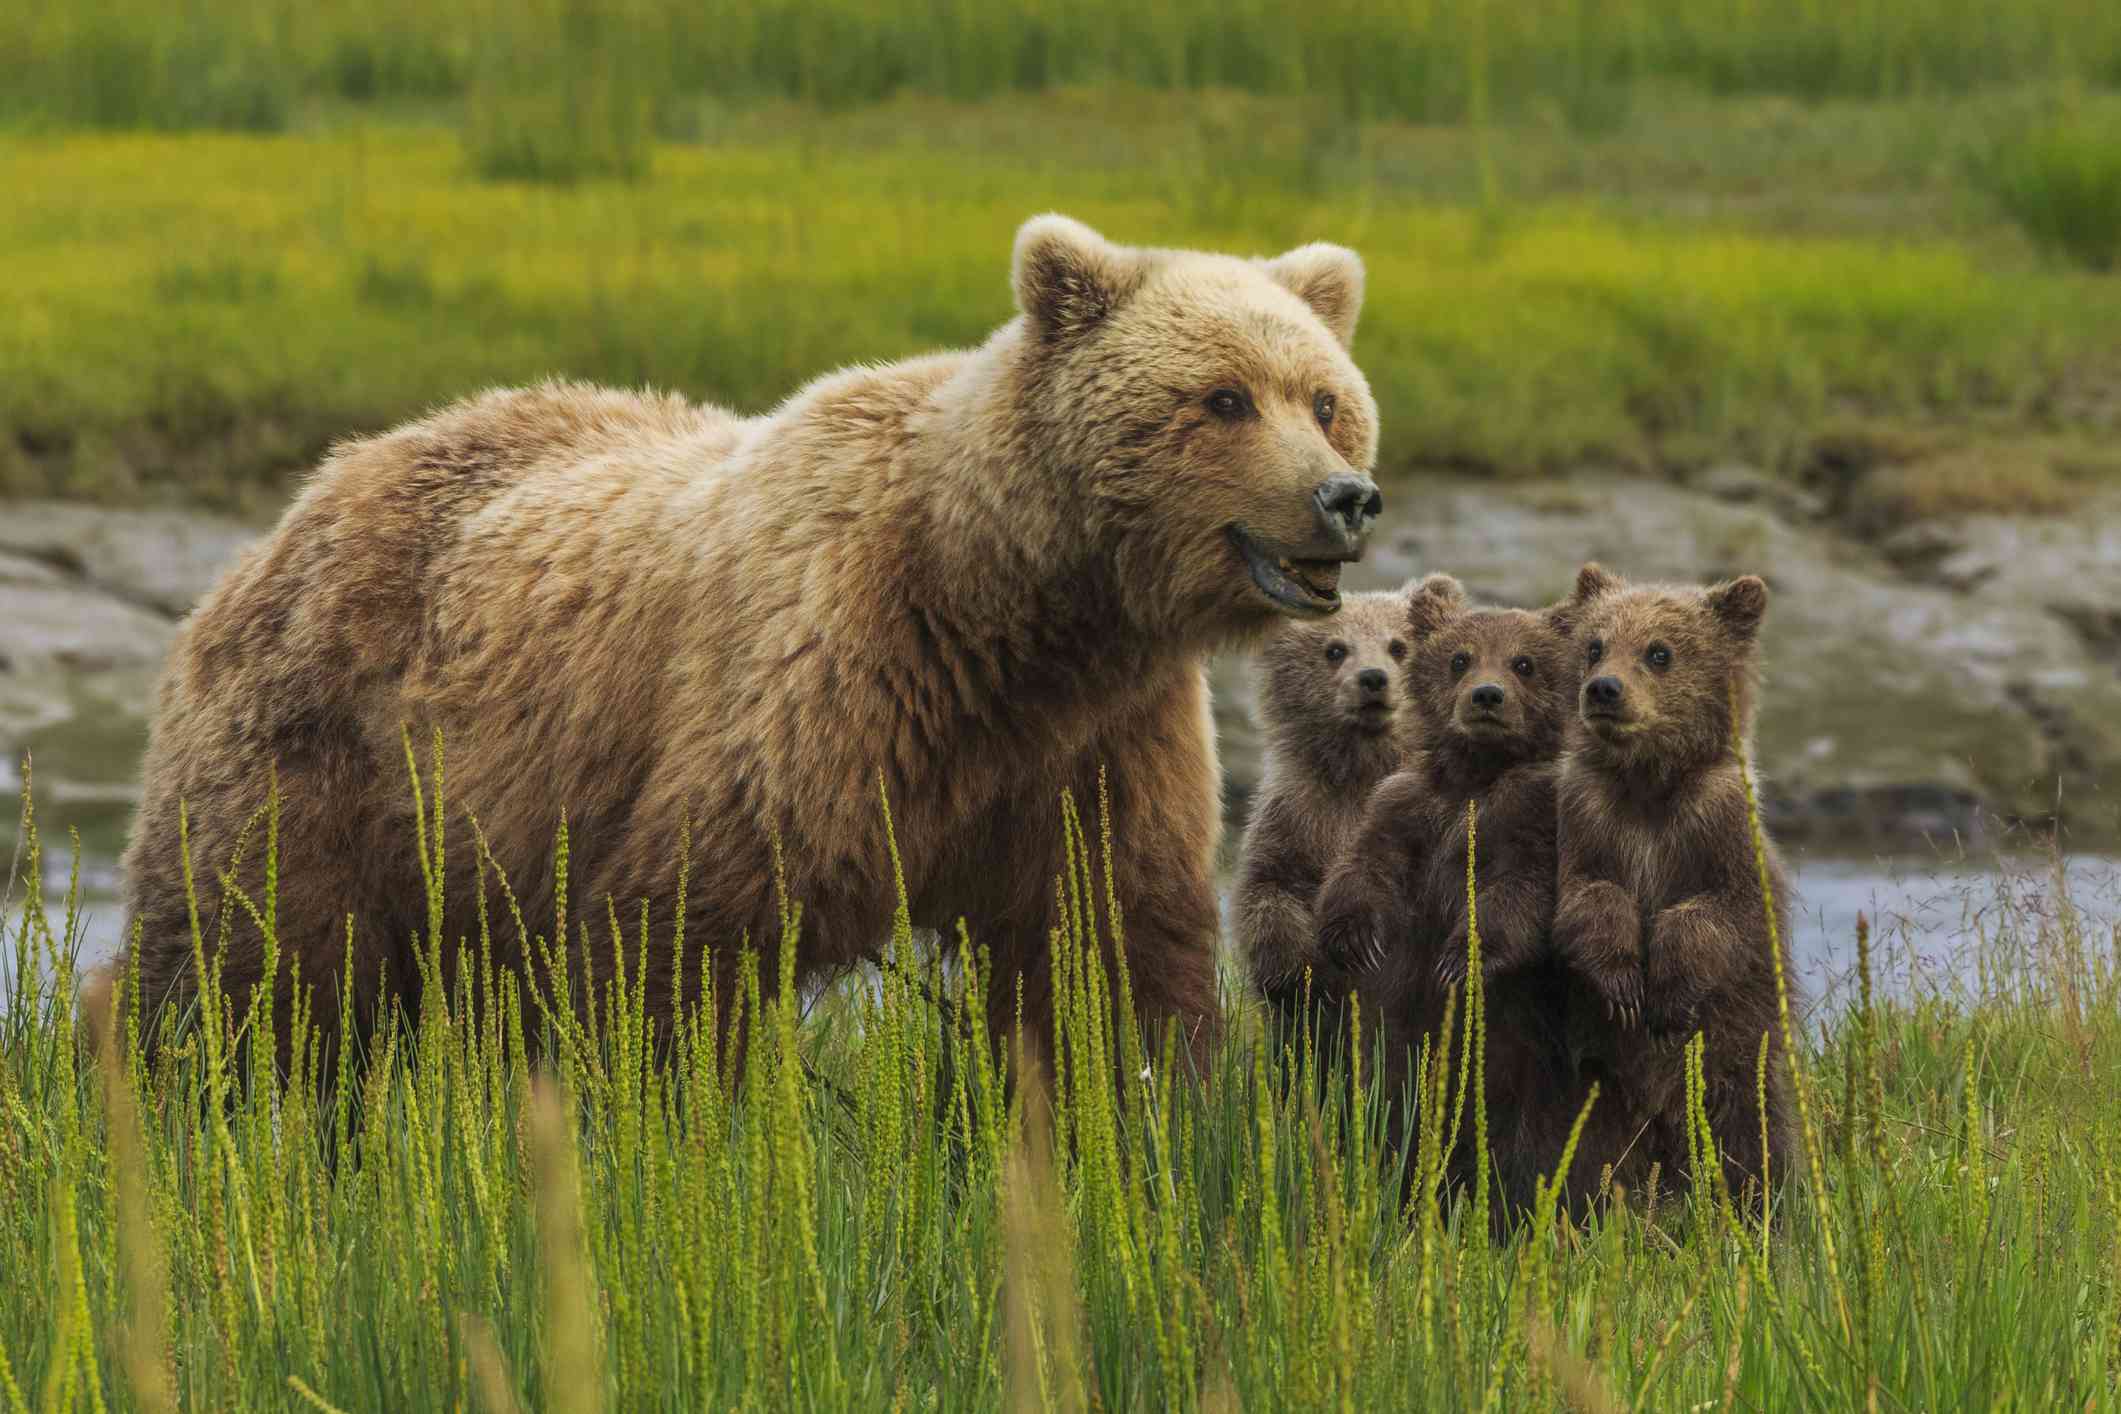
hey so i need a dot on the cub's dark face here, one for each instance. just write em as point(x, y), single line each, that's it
point(1338, 678)
point(1662, 666)
point(1495, 681)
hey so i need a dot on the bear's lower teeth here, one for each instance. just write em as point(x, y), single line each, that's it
point(1321, 580)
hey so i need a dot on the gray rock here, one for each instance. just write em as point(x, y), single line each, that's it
point(88, 606)
point(2068, 565)
point(163, 560)
point(19, 569)
point(1745, 485)
point(58, 624)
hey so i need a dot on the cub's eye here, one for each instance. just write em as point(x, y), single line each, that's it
point(1459, 663)
point(1659, 656)
point(1521, 665)
point(1335, 652)
point(1597, 649)
point(1227, 402)
point(1322, 407)
point(1397, 649)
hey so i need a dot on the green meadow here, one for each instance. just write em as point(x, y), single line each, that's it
point(194, 315)
point(514, 1204)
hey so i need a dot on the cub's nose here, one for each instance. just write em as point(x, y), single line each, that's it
point(1488, 696)
point(1371, 680)
point(1346, 506)
point(1602, 692)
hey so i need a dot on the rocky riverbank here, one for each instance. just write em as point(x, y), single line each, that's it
point(1952, 675)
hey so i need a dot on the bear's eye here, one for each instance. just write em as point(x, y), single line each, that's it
point(1597, 649)
point(1397, 649)
point(1322, 407)
point(1335, 652)
point(1659, 656)
point(1521, 665)
point(1459, 663)
point(1227, 402)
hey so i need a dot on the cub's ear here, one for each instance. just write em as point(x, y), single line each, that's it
point(1435, 602)
point(1739, 605)
point(1591, 581)
point(1068, 277)
point(1328, 278)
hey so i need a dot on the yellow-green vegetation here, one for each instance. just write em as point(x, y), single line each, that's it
point(201, 314)
point(869, 1206)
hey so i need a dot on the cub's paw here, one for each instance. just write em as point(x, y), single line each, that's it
point(1451, 962)
point(1619, 987)
point(1352, 940)
point(1596, 929)
point(1673, 997)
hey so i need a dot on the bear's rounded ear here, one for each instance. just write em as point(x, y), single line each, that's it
point(1740, 604)
point(1591, 581)
point(1434, 602)
point(1068, 277)
point(1329, 278)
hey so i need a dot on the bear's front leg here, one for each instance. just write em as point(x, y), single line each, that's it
point(1598, 933)
point(1364, 909)
point(1694, 951)
point(1511, 913)
point(1164, 791)
point(1699, 950)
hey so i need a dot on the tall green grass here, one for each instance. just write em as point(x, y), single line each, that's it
point(563, 90)
point(869, 1205)
point(241, 62)
point(2061, 181)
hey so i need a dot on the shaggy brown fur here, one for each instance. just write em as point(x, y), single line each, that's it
point(979, 576)
point(1491, 691)
point(1329, 700)
point(1660, 918)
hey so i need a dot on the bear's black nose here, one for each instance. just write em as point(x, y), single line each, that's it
point(1488, 696)
point(1371, 679)
point(1347, 504)
point(1602, 692)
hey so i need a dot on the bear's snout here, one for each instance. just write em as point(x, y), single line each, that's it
point(1347, 505)
point(1372, 681)
point(1602, 694)
point(1489, 697)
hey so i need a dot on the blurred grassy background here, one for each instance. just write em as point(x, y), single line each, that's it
point(1649, 234)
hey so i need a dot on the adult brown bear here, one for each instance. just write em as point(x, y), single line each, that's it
point(981, 576)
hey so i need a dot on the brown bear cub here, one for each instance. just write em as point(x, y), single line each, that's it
point(1329, 703)
point(1660, 919)
point(1491, 692)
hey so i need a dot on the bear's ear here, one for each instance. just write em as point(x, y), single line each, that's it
point(1328, 278)
point(1068, 277)
point(1739, 605)
point(1435, 602)
point(1591, 581)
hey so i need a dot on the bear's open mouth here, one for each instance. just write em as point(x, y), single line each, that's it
point(1310, 587)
